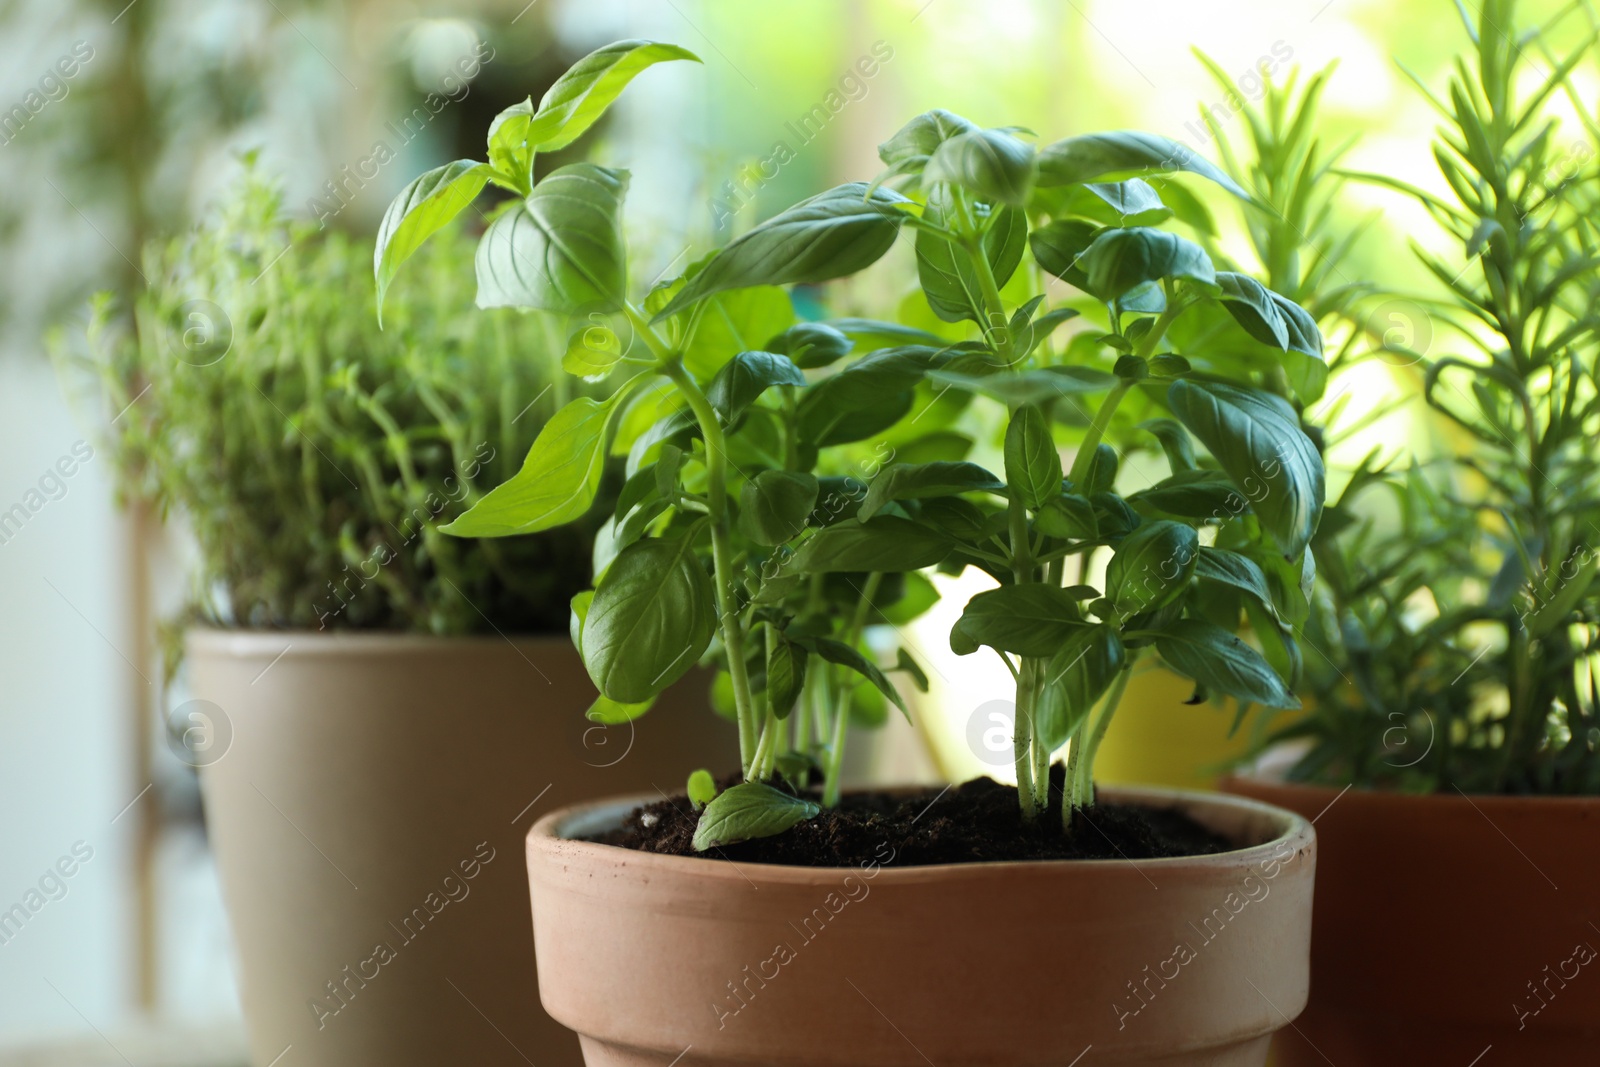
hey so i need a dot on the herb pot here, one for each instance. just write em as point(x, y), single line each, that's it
point(1446, 925)
point(658, 960)
point(366, 795)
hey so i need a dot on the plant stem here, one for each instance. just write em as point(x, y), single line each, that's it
point(1097, 430)
point(721, 555)
point(1081, 785)
point(841, 714)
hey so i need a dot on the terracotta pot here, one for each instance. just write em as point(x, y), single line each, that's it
point(366, 795)
point(1443, 927)
point(659, 960)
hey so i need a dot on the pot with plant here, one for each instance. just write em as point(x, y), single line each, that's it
point(783, 503)
point(378, 711)
point(1450, 753)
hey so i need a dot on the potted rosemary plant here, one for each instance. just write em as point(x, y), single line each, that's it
point(738, 540)
point(1452, 746)
point(375, 707)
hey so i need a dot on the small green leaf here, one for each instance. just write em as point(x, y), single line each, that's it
point(1256, 437)
point(1094, 155)
point(1152, 566)
point(1033, 466)
point(609, 712)
point(903, 661)
point(786, 674)
point(1174, 442)
point(845, 656)
point(1268, 317)
point(831, 235)
point(561, 249)
point(1222, 663)
point(582, 94)
point(812, 344)
point(774, 506)
point(421, 209)
point(745, 377)
point(1134, 202)
point(702, 789)
point(866, 397)
point(1068, 516)
point(1121, 260)
point(870, 335)
point(748, 811)
point(1028, 620)
point(592, 352)
point(887, 543)
point(947, 274)
point(652, 616)
point(906, 481)
point(558, 480)
point(1237, 572)
point(992, 164)
point(580, 611)
point(918, 139)
point(1058, 246)
point(1039, 386)
point(1193, 494)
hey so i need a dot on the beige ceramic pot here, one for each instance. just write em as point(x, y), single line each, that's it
point(658, 960)
point(367, 796)
point(1449, 929)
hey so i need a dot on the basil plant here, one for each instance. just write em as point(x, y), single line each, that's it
point(784, 487)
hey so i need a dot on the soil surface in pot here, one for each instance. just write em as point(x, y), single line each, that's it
point(977, 822)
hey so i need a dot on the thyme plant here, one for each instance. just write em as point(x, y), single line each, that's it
point(764, 523)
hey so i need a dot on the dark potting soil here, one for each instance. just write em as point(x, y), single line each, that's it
point(977, 822)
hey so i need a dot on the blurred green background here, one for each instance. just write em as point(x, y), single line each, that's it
point(164, 96)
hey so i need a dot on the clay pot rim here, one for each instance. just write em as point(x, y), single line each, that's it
point(546, 835)
point(246, 643)
point(1393, 798)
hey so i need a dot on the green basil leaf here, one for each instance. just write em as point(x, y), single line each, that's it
point(1174, 441)
point(745, 377)
point(558, 480)
point(1192, 494)
point(580, 611)
point(1236, 572)
point(774, 506)
point(421, 209)
point(1070, 517)
point(831, 235)
point(1152, 567)
point(1268, 317)
point(1102, 473)
point(702, 789)
point(845, 656)
point(1029, 620)
point(592, 353)
point(812, 344)
point(1094, 155)
point(1033, 466)
point(945, 271)
point(748, 811)
point(992, 164)
point(1029, 387)
point(1134, 202)
point(581, 95)
point(921, 137)
point(866, 397)
point(653, 615)
point(1222, 663)
point(908, 481)
point(1058, 246)
point(610, 712)
point(870, 335)
point(903, 661)
point(887, 543)
point(1075, 680)
point(1121, 260)
point(561, 249)
point(1256, 437)
point(786, 674)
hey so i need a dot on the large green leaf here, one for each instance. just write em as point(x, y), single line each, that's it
point(1029, 620)
point(561, 249)
point(1256, 437)
point(1033, 466)
point(886, 543)
point(558, 479)
point(915, 481)
point(1059, 245)
point(748, 811)
point(812, 344)
point(1130, 203)
point(582, 94)
point(845, 656)
point(1237, 572)
point(1094, 155)
point(868, 396)
point(1075, 679)
point(739, 320)
point(1121, 260)
point(831, 235)
point(652, 616)
point(991, 164)
point(421, 209)
point(1192, 494)
point(949, 280)
point(1222, 663)
point(1152, 567)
